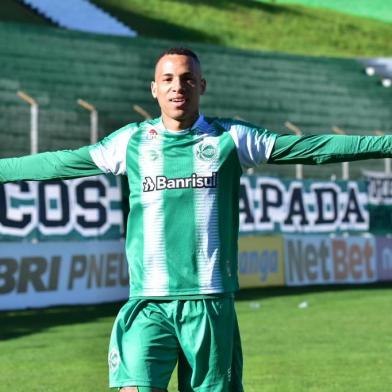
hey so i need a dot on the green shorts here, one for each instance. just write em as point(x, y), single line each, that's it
point(149, 337)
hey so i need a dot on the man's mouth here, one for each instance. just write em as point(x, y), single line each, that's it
point(178, 100)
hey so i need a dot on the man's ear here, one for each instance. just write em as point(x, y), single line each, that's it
point(154, 89)
point(203, 86)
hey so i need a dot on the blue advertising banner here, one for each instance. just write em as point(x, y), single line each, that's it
point(384, 258)
point(59, 273)
point(324, 260)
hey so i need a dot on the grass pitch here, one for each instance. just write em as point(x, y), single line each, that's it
point(319, 339)
point(264, 25)
point(377, 9)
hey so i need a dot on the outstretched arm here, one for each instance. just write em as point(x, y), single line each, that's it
point(49, 165)
point(258, 145)
point(106, 156)
point(318, 149)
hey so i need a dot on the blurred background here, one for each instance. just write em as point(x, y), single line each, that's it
point(282, 65)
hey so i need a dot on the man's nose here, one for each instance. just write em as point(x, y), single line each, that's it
point(177, 84)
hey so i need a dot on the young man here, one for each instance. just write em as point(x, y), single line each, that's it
point(183, 171)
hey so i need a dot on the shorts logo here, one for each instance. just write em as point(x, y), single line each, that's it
point(114, 359)
point(194, 181)
point(206, 152)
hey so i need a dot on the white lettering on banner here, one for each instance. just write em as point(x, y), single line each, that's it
point(321, 260)
point(379, 187)
point(84, 206)
point(53, 273)
point(300, 206)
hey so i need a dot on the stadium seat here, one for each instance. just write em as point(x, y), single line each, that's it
point(113, 73)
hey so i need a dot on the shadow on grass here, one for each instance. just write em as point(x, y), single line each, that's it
point(147, 26)
point(14, 324)
point(269, 292)
point(268, 8)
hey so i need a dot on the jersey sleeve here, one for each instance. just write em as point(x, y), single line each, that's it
point(319, 149)
point(254, 145)
point(106, 156)
point(109, 154)
point(49, 165)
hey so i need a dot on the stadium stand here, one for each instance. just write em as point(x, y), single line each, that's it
point(79, 15)
point(57, 67)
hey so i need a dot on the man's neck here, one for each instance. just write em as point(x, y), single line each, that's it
point(178, 125)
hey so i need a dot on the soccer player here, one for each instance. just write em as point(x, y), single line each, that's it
point(184, 173)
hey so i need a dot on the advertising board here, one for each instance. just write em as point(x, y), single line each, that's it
point(260, 261)
point(324, 260)
point(59, 273)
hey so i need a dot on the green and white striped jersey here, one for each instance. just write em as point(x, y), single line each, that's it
point(184, 192)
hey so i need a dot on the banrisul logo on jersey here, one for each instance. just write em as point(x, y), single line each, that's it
point(195, 181)
point(87, 208)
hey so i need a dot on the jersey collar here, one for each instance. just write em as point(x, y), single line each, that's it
point(200, 126)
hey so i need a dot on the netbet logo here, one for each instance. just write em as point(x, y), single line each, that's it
point(194, 181)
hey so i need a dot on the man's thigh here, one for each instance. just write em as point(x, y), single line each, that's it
point(143, 348)
point(211, 357)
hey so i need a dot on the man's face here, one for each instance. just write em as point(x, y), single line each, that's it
point(177, 87)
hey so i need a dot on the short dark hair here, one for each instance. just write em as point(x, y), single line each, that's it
point(180, 51)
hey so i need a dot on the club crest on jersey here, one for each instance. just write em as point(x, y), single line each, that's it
point(194, 181)
point(206, 151)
